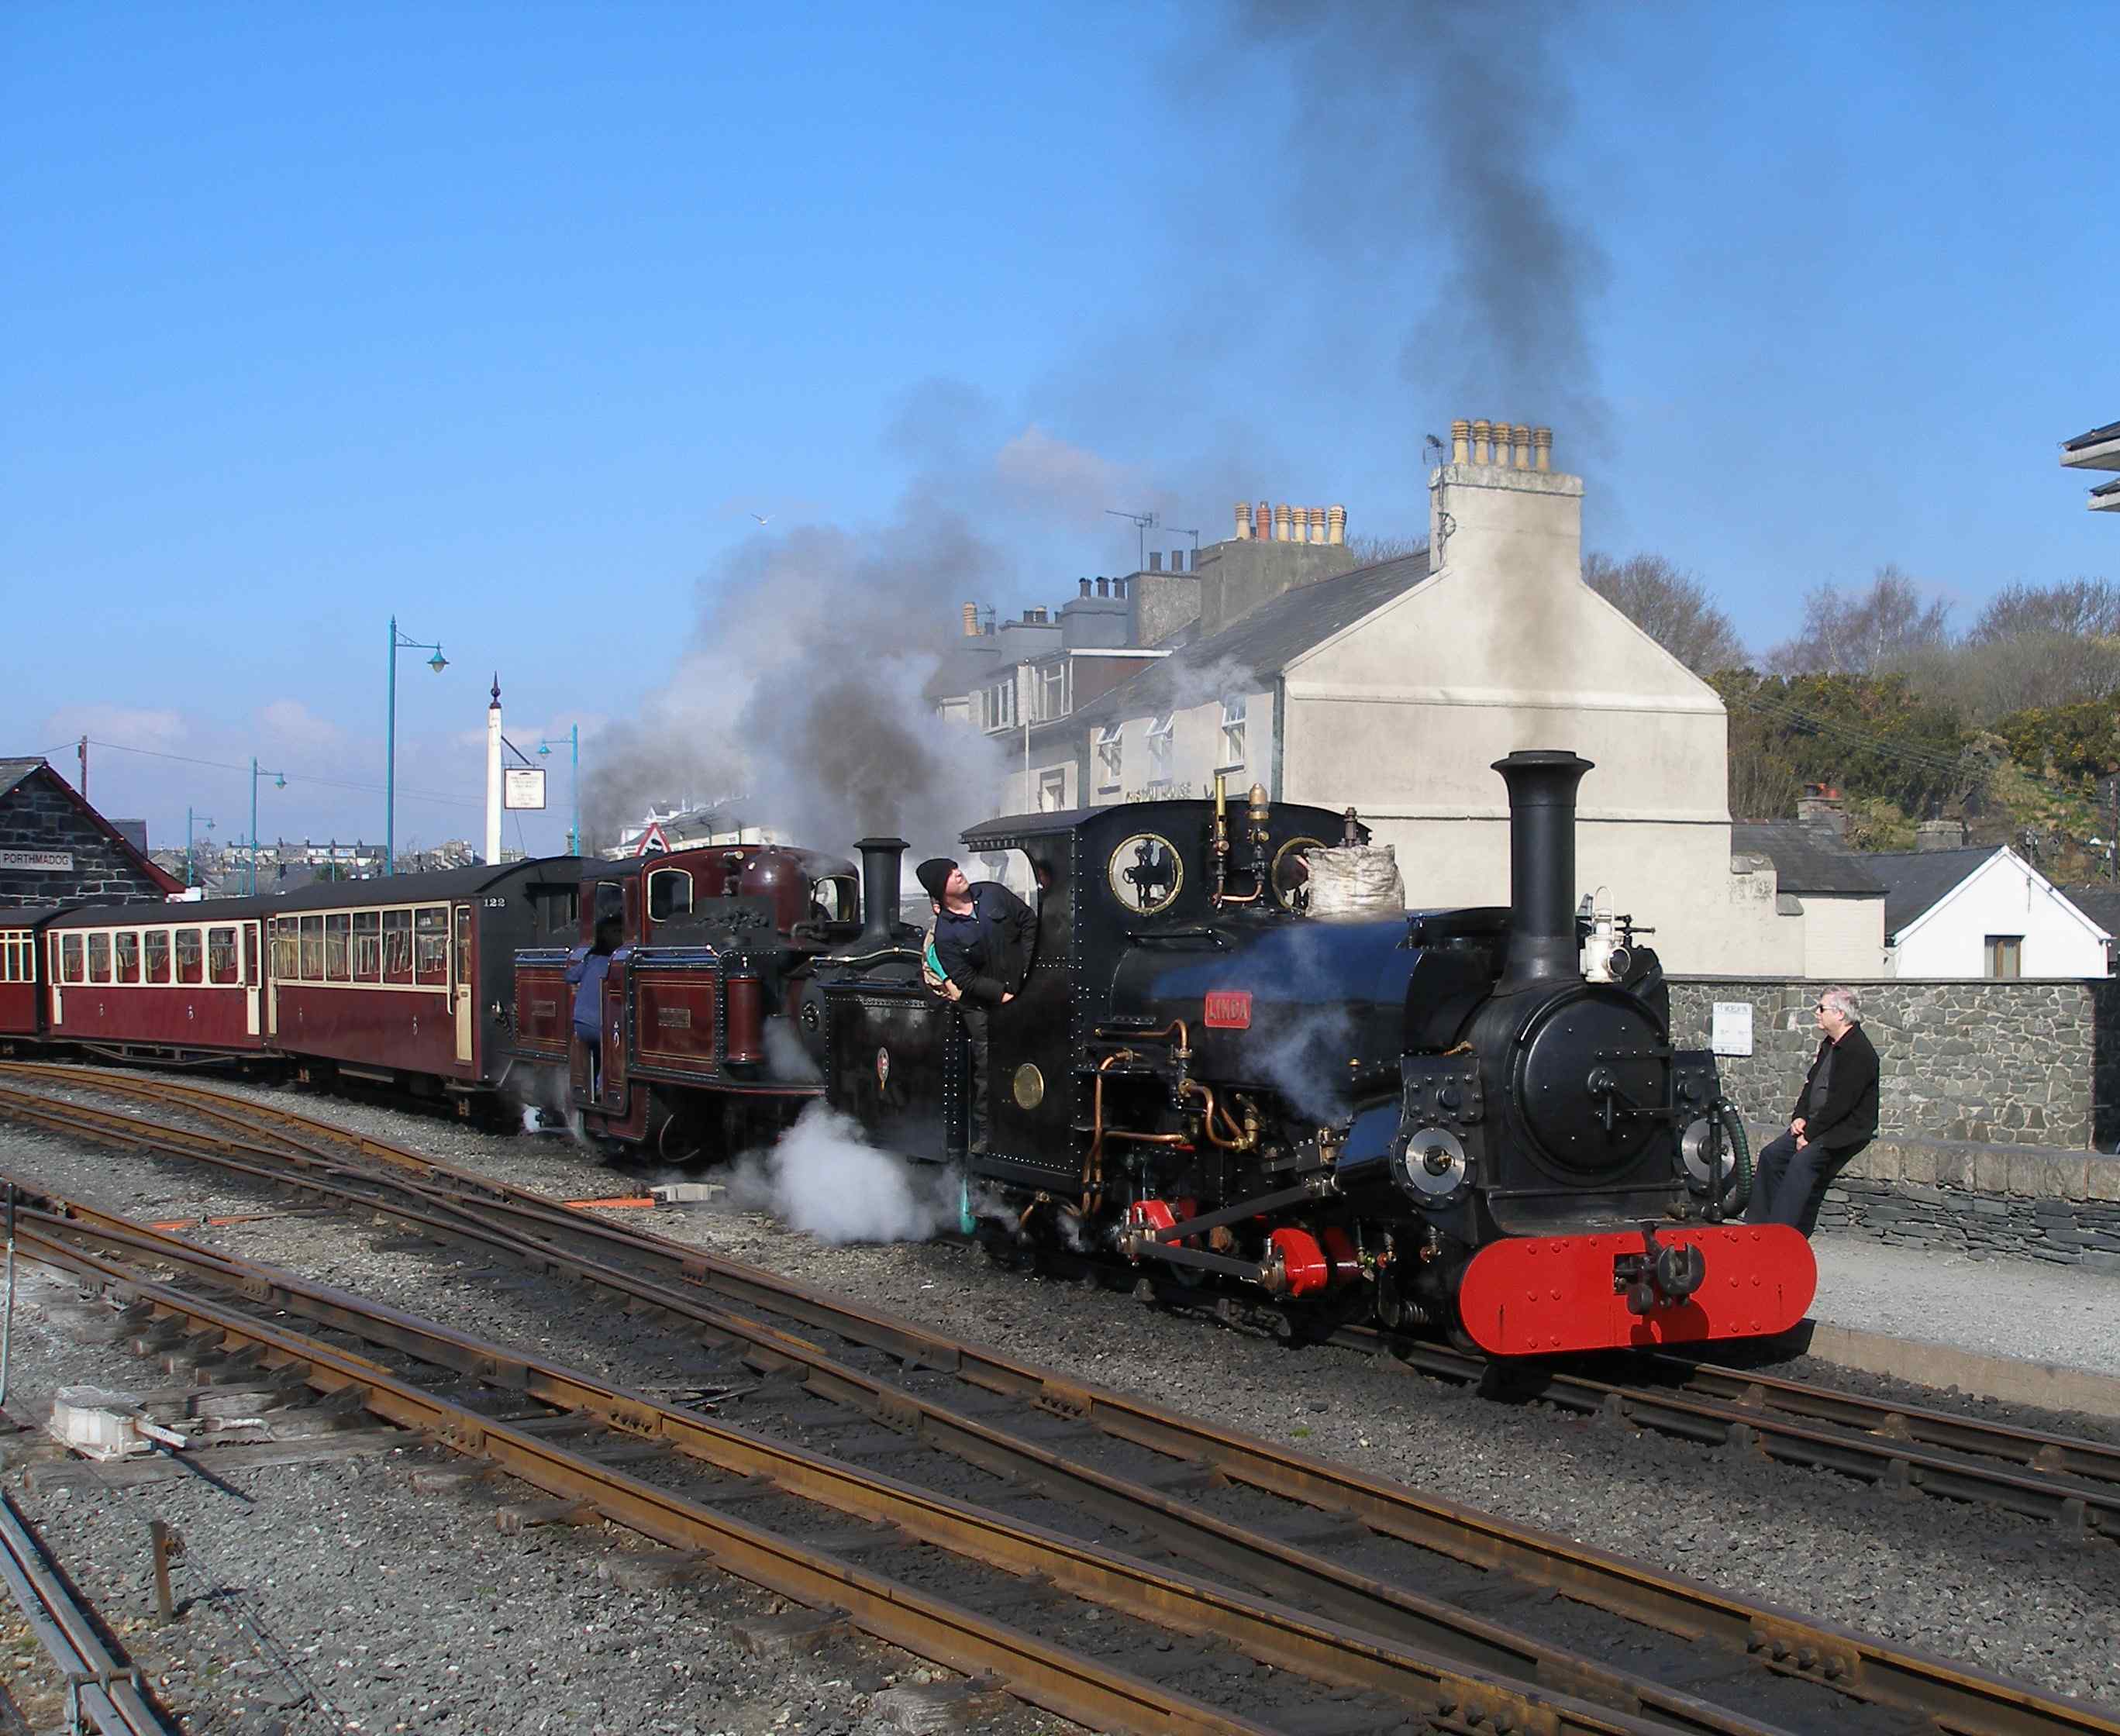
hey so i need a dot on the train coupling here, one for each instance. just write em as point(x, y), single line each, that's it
point(1661, 1276)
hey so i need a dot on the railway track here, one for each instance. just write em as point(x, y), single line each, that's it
point(1306, 1535)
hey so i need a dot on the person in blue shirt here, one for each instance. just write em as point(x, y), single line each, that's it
point(587, 967)
point(982, 940)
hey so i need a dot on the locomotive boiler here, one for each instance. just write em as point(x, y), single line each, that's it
point(1472, 1119)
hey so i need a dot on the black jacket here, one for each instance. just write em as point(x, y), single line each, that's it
point(1849, 1117)
point(984, 954)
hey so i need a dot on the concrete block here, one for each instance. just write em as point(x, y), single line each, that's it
point(1917, 1163)
point(1955, 1169)
point(1991, 1171)
point(2102, 1177)
point(1880, 1163)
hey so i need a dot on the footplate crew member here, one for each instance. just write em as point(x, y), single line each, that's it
point(982, 935)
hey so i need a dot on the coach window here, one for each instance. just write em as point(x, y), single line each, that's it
point(312, 949)
point(220, 955)
point(463, 943)
point(397, 946)
point(128, 957)
point(368, 946)
point(287, 949)
point(99, 958)
point(669, 893)
point(191, 956)
point(158, 955)
point(70, 967)
point(430, 946)
point(336, 927)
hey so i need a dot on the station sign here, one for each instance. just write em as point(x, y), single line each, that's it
point(523, 786)
point(38, 861)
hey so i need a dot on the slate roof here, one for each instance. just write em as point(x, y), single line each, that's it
point(1805, 860)
point(12, 771)
point(2101, 903)
point(1916, 881)
point(1264, 641)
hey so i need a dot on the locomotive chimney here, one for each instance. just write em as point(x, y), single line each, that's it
point(1542, 946)
point(880, 858)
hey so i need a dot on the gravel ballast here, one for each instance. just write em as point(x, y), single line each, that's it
point(1982, 1587)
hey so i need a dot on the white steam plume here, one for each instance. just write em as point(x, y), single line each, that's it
point(822, 1178)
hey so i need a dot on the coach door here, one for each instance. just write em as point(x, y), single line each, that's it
point(460, 964)
point(251, 991)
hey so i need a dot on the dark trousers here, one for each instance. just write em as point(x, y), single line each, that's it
point(975, 1068)
point(1788, 1185)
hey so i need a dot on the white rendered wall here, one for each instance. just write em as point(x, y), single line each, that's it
point(1843, 936)
point(2003, 896)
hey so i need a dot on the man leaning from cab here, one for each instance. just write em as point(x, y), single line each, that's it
point(983, 933)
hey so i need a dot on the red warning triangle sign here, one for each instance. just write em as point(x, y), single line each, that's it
point(652, 842)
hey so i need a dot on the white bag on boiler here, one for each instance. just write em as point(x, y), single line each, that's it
point(1355, 880)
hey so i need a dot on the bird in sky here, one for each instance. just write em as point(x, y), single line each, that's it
point(762, 518)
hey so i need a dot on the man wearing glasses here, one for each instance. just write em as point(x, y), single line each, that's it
point(1834, 1117)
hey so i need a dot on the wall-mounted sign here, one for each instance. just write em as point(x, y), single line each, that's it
point(1729, 1033)
point(523, 786)
point(38, 861)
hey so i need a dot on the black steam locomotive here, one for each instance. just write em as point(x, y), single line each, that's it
point(1430, 1117)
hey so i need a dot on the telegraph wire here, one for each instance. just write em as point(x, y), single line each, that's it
point(336, 783)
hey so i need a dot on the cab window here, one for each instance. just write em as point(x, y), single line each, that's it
point(669, 893)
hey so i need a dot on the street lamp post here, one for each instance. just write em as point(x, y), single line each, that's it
point(190, 879)
point(573, 784)
point(437, 663)
point(279, 782)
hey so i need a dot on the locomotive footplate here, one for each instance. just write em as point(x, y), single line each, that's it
point(1547, 1295)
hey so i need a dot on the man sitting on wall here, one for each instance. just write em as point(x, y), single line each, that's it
point(1835, 1116)
point(982, 935)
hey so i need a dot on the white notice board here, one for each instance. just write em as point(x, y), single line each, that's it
point(523, 786)
point(1732, 1031)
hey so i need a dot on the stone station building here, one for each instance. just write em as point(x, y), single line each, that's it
point(56, 849)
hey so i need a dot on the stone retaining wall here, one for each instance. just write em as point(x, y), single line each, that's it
point(1984, 1062)
point(1981, 1200)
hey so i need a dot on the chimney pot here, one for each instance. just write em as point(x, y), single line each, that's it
point(1281, 522)
point(1460, 435)
point(1336, 524)
point(1119, 589)
point(1178, 560)
point(1480, 430)
point(1520, 446)
point(1156, 560)
point(1262, 522)
point(1317, 524)
point(971, 620)
point(1085, 584)
point(1542, 442)
point(1104, 585)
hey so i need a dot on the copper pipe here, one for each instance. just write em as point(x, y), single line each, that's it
point(1238, 1141)
point(1092, 1160)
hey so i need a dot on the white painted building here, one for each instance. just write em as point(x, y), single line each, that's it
point(1394, 687)
point(1838, 903)
point(1981, 912)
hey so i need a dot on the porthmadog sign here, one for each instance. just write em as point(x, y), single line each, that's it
point(38, 861)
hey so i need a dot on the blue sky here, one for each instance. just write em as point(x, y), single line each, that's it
point(506, 319)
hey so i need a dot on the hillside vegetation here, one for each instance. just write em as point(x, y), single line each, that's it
point(2011, 727)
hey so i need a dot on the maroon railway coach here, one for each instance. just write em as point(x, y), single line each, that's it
point(180, 980)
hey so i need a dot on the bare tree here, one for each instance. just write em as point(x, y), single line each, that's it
point(2085, 608)
point(1875, 630)
point(1672, 607)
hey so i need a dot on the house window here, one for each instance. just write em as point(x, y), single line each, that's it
point(1053, 694)
point(1232, 731)
point(1162, 733)
point(2005, 955)
point(1111, 753)
point(998, 705)
point(1052, 791)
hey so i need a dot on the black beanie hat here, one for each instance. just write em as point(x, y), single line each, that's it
point(934, 875)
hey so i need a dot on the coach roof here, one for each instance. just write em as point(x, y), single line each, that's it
point(439, 888)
